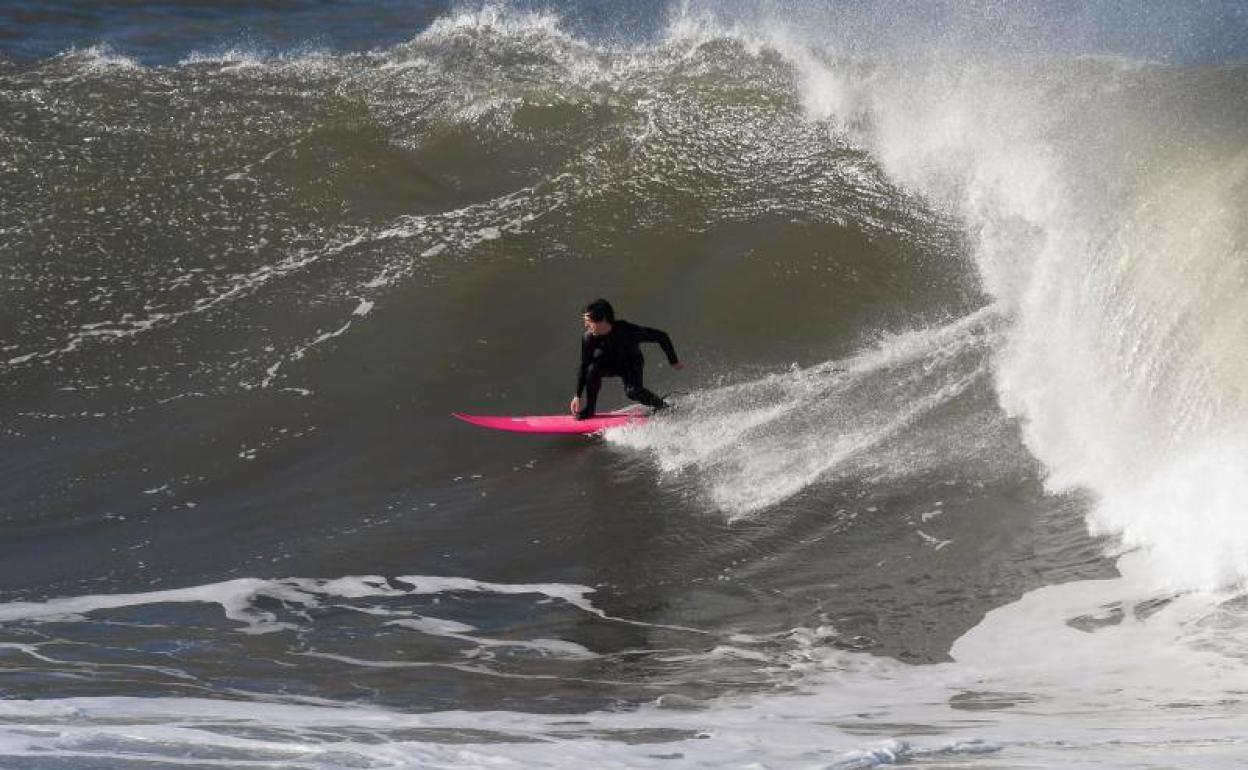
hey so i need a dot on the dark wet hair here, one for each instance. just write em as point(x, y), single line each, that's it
point(600, 310)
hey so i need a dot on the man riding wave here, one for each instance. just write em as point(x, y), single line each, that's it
point(612, 348)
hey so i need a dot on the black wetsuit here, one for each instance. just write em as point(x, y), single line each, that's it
point(618, 354)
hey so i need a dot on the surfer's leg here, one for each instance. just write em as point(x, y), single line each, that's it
point(635, 390)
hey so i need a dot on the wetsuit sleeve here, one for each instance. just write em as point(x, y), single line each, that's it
point(646, 334)
point(583, 370)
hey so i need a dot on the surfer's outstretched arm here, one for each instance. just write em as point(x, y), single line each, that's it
point(646, 334)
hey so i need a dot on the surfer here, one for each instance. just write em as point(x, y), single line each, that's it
point(612, 348)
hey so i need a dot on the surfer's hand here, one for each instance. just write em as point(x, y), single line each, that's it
point(678, 365)
point(576, 404)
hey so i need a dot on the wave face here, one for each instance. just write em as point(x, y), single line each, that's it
point(963, 427)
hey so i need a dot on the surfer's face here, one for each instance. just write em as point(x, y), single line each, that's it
point(596, 328)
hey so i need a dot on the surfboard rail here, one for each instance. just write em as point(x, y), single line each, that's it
point(555, 424)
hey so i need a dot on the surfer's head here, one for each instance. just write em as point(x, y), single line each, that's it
point(598, 317)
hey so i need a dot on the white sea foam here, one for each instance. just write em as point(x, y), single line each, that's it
point(1142, 662)
point(1121, 280)
point(237, 597)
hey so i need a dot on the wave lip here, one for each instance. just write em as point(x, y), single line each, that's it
point(97, 59)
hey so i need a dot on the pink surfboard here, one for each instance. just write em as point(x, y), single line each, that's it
point(559, 423)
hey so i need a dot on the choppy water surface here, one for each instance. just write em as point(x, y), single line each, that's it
point(956, 475)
